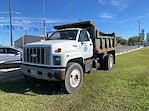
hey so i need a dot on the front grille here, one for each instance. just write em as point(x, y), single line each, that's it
point(37, 55)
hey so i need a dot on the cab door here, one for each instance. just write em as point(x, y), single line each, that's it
point(86, 44)
point(3, 57)
point(12, 55)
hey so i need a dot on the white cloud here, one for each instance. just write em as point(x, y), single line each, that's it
point(101, 2)
point(134, 18)
point(116, 3)
point(106, 15)
point(13, 12)
point(120, 4)
point(27, 21)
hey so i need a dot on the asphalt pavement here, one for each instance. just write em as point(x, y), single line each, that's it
point(10, 74)
point(121, 49)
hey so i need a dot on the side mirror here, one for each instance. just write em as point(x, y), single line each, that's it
point(17, 53)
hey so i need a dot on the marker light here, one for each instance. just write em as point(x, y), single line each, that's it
point(58, 50)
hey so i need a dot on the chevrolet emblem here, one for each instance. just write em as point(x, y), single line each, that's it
point(34, 55)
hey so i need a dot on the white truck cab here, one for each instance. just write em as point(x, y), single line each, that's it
point(48, 59)
point(71, 43)
point(64, 56)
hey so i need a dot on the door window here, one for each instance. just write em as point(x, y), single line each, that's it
point(11, 51)
point(83, 36)
point(2, 51)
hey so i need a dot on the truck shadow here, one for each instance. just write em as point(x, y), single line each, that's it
point(21, 86)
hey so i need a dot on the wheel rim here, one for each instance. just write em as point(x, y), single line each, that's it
point(111, 62)
point(75, 78)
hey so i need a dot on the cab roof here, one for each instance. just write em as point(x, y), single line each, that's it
point(84, 24)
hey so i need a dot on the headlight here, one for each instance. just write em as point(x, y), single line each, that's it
point(56, 60)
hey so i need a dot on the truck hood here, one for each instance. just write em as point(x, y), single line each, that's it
point(66, 45)
point(52, 43)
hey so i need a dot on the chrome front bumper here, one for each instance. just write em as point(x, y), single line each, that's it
point(44, 73)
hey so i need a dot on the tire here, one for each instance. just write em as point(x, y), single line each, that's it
point(98, 66)
point(108, 61)
point(102, 62)
point(74, 77)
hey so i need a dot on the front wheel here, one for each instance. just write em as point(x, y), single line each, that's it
point(73, 78)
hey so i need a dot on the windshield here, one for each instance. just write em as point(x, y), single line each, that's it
point(64, 35)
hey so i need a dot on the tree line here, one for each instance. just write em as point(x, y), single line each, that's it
point(131, 40)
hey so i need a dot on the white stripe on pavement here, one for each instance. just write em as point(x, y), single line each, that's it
point(128, 51)
point(10, 69)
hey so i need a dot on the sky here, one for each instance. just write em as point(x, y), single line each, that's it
point(119, 16)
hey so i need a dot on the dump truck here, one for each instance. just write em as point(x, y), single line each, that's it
point(72, 51)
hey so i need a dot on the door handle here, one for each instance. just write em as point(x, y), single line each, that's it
point(83, 43)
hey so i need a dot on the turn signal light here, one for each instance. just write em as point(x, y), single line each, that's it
point(58, 50)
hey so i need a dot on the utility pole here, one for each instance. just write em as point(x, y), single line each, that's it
point(139, 27)
point(44, 21)
point(11, 37)
point(23, 39)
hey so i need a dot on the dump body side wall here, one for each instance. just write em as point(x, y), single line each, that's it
point(105, 43)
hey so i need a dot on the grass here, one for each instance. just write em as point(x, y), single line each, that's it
point(125, 88)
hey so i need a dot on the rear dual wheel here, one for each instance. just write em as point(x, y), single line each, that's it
point(108, 61)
